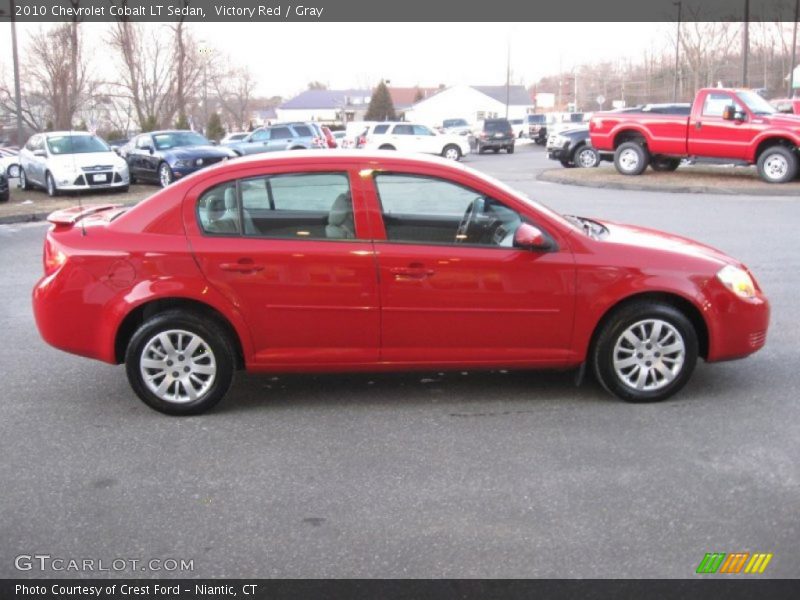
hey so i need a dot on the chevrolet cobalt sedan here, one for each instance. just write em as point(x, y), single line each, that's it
point(352, 261)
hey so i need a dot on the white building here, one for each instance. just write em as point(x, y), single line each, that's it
point(327, 106)
point(473, 103)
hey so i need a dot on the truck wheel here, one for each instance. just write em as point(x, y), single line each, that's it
point(566, 164)
point(631, 158)
point(664, 163)
point(777, 164)
point(586, 157)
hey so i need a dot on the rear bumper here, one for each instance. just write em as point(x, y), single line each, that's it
point(494, 142)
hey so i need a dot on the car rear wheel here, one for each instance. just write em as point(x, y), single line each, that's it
point(631, 158)
point(52, 189)
point(586, 157)
point(664, 163)
point(451, 152)
point(24, 184)
point(777, 164)
point(179, 363)
point(645, 352)
point(165, 175)
point(13, 171)
point(510, 149)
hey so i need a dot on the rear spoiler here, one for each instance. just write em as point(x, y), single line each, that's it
point(70, 216)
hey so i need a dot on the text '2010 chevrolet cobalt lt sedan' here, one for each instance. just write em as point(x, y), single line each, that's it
point(319, 261)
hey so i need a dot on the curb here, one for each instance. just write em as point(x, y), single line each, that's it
point(553, 176)
point(36, 217)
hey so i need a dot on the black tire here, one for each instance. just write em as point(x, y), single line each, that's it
point(452, 152)
point(480, 148)
point(131, 178)
point(165, 175)
point(631, 158)
point(4, 196)
point(777, 164)
point(611, 333)
point(12, 171)
point(387, 147)
point(510, 149)
point(566, 164)
point(586, 157)
point(24, 184)
point(212, 334)
point(664, 164)
point(50, 183)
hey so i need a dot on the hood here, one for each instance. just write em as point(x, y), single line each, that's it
point(87, 159)
point(781, 120)
point(644, 238)
point(189, 152)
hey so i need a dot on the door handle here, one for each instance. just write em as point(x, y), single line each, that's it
point(698, 125)
point(243, 265)
point(412, 271)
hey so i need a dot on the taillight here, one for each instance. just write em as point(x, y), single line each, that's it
point(361, 141)
point(54, 258)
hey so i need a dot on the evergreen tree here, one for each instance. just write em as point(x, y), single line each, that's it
point(214, 130)
point(380, 105)
point(182, 122)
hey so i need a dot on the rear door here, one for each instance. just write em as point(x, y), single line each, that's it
point(290, 250)
point(280, 138)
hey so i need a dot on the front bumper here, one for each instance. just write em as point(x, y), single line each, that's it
point(737, 326)
point(184, 170)
point(559, 153)
point(92, 181)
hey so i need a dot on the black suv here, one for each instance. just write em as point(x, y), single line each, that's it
point(495, 134)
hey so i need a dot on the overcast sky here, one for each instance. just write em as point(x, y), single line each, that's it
point(284, 57)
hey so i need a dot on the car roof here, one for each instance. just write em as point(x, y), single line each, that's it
point(57, 133)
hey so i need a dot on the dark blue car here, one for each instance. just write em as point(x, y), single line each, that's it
point(164, 156)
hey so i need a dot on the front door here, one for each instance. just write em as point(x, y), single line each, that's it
point(711, 135)
point(453, 286)
point(284, 248)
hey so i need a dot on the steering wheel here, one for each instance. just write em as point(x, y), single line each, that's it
point(475, 208)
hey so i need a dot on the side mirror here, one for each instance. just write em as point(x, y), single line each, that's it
point(39, 153)
point(529, 237)
point(151, 150)
point(728, 112)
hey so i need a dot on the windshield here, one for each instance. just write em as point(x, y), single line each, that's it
point(76, 144)
point(454, 123)
point(173, 139)
point(756, 104)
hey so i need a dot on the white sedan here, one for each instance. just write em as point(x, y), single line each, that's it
point(412, 137)
point(69, 161)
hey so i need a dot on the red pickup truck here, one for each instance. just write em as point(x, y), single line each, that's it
point(724, 123)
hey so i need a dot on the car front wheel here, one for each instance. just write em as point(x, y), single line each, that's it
point(52, 189)
point(24, 184)
point(587, 157)
point(451, 152)
point(179, 363)
point(165, 176)
point(645, 352)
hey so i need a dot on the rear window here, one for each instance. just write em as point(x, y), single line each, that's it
point(379, 129)
point(501, 126)
point(535, 118)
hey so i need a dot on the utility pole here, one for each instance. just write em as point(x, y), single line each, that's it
point(794, 48)
point(745, 41)
point(677, 53)
point(15, 60)
point(508, 74)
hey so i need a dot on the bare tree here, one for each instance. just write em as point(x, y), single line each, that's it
point(234, 89)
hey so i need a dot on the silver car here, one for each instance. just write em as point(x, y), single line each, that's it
point(273, 138)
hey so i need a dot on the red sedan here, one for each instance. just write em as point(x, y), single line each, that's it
point(313, 261)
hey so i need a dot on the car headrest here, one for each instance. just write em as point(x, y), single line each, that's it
point(230, 198)
point(341, 210)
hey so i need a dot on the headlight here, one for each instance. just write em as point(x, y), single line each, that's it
point(183, 164)
point(737, 280)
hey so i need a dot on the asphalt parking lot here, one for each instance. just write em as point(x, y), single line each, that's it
point(424, 475)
